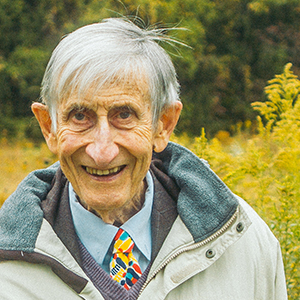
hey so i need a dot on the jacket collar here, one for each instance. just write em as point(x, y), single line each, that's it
point(21, 215)
point(205, 204)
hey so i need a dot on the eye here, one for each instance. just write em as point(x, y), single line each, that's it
point(125, 115)
point(79, 116)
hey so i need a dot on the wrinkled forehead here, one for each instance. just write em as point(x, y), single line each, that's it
point(126, 92)
point(130, 84)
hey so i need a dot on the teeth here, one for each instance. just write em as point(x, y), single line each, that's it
point(102, 172)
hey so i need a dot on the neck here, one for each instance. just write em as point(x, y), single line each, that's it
point(122, 214)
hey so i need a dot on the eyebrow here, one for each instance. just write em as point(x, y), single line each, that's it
point(78, 107)
point(118, 104)
point(122, 107)
point(125, 105)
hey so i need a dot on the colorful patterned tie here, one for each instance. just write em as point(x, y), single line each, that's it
point(124, 267)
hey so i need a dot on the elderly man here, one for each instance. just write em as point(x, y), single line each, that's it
point(125, 214)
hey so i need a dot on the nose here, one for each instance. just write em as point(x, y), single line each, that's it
point(102, 148)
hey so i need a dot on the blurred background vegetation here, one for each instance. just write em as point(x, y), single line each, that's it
point(263, 168)
point(237, 46)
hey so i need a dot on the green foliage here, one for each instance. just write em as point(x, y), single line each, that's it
point(7, 128)
point(264, 168)
point(237, 46)
point(282, 92)
point(32, 132)
point(29, 30)
point(25, 68)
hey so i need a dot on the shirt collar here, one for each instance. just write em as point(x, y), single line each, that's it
point(97, 235)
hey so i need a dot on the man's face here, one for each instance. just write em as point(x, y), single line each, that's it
point(105, 143)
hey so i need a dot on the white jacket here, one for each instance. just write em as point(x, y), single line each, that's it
point(239, 259)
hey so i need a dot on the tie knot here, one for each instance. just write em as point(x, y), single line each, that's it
point(123, 242)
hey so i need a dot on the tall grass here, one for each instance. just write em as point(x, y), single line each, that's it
point(18, 159)
point(262, 168)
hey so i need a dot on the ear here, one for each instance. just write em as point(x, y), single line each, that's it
point(166, 125)
point(42, 115)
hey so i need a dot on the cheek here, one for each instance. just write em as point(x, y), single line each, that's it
point(139, 141)
point(140, 145)
point(68, 143)
point(143, 134)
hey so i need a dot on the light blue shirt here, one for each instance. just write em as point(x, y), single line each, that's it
point(97, 235)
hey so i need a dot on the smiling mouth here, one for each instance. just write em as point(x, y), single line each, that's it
point(108, 172)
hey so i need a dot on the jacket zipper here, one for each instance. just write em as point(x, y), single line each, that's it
point(192, 247)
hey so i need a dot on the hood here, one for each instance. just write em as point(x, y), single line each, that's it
point(204, 202)
point(21, 214)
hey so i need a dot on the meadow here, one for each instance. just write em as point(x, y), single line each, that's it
point(259, 162)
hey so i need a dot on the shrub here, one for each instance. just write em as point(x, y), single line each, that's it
point(264, 169)
point(7, 127)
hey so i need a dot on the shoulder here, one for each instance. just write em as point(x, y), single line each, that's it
point(21, 214)
point(258, 241)
point(258, 225)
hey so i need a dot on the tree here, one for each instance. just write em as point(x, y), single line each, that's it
point(237, 45)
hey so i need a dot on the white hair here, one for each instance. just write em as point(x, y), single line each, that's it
point(112, 50)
